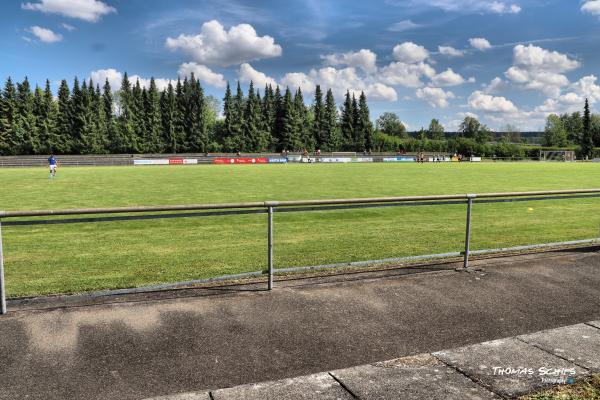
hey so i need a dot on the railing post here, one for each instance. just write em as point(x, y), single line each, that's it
point(2, 292)
point(270, 245)
point(470, 198)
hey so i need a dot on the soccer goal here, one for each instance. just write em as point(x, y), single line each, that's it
point(557, 155)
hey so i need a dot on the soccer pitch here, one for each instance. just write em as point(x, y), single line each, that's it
point(72, 258)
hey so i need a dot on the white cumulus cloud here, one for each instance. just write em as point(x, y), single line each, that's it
point(497, 84)
point(539, 69)
point(87, 10)
point(436, 97)
point(202, 73)
point(45, 35)
point(591, 7)
point(448, 78)
point(403, 25)
point(480, 101)
point(364, 59)
point(248, 74)
point(480, 44)
point(410, 53)
point(450, 51)
point(216, 46)
point(407, 75)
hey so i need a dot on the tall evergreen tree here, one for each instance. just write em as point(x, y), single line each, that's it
point(137, 115)
point(305, 140)
point(255, 137)
point(180, 109)
point(116, 142)
point(168, 108)
point(318, 123)
point(364, 127)
point(97, 139)
point(61, 140)
point(587, 141)
point(8, 116)
point(290, 135)
point(277, 138)
point(78, 116)
point(25, 134)
point(332, 139)
point(347, 123)
point(41, 114)
point(152, 120)
point(51, 119)
point(268, 115)
point(126, 118)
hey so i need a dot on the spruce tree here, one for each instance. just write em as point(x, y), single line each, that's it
point(318, 123)
point(25, 137)
point(137, 115)
point(276, 137)
point(587, 142)
point(179, 120)
point(126, 118)
point(98, 138)
point(61, 140)
point(358, 139)
point(51, 116)
point(78, 116)
point(152, 120)
point(347, 123)
point(115, 141)
point(168, 110)
point(268, 115)
point(228, 112)
point(304, 136)
point(332, 138)
point(8, 115)
point(290, 135)
point(364, 127)
point(40, 114)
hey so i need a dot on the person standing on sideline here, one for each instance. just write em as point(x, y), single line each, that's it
point(52, 164)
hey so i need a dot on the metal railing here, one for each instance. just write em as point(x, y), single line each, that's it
point(269, 207)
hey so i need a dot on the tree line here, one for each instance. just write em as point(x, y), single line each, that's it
point(573, 129)
point(88, 119)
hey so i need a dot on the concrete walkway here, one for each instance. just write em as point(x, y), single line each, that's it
point(143, 346)
point(499, 369)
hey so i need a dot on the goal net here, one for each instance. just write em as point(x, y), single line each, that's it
point(557, 155)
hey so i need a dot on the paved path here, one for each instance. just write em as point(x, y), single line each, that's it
point(498, 369)
point(134, 347)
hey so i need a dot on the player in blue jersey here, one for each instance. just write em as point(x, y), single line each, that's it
point(52, 164)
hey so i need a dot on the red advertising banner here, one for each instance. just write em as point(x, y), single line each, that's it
point(175, 161)
point(241, 160)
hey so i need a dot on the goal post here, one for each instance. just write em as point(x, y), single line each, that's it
point(557, 155)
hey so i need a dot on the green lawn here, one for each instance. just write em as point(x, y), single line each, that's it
point(71, 258)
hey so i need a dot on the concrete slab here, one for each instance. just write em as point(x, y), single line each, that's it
point(577, 343)
point(594, 323)
point(318, 386)
point(184, 396)
point(511, 367)
point(417, 377)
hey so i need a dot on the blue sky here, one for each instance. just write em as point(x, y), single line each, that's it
point(504, 61)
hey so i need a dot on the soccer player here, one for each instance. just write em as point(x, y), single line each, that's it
point(52, 163)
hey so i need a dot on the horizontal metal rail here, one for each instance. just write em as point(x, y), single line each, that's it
point(289, 203)
point(289, 209)
point(269, 207)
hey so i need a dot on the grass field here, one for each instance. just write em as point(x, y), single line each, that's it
point(71, 258)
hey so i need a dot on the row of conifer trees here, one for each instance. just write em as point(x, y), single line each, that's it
point(87, 118)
